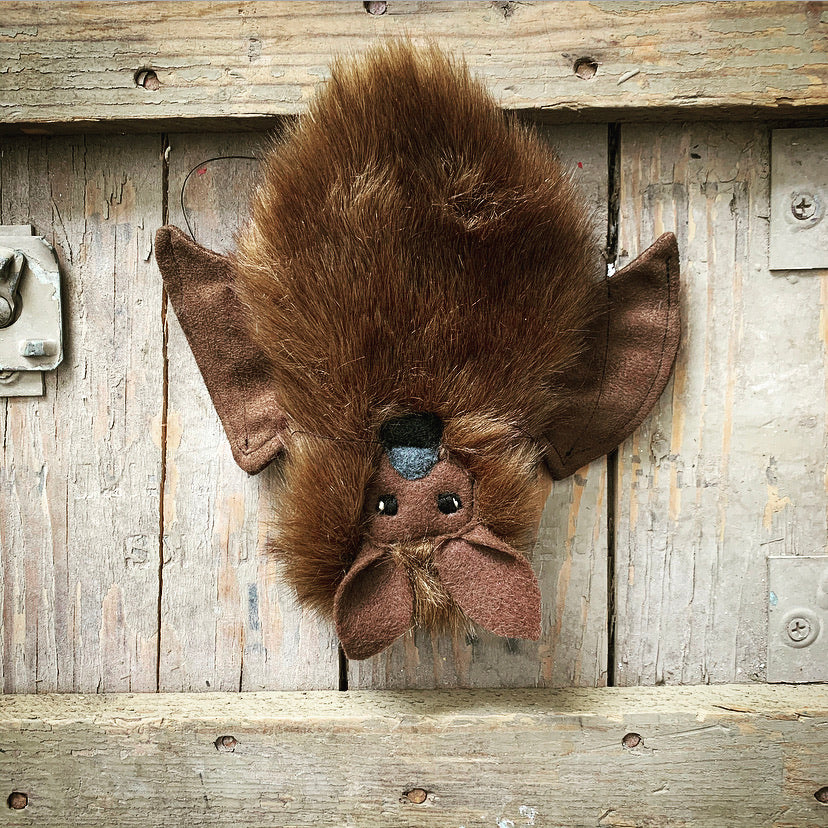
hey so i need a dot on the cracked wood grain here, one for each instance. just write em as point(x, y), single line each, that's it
point(74, 65)
point(703, 757)
point(80, 466)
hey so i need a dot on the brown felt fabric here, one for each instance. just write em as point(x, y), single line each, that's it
point(630, 361)
point(418, 515)
point(492, 583)
point(374, 604)
point(200, 286)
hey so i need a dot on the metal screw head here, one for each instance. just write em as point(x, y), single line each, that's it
point(798, 629)
point(803, 206)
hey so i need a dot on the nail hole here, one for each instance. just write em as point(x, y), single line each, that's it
point(822, 795)
point(17, 800)
point(631, 740)
point(226, 744)
point(585, 67)
point(148, 79)
point(416, 795)
point(375, 6)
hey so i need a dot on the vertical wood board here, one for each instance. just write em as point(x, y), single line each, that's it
point(731, 465)
point(228, 622)
point(80, 468)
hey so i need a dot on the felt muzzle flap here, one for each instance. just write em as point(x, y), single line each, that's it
point(199, 283)
point(632, 348)
point(492, 583)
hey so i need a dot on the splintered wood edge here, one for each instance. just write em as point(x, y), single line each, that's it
point(701, 756)
point(217, 65)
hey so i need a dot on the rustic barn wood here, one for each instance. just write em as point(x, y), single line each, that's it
point(130, 65)
point(731, 466)
point(80, 467)
point(671, 756)
point(227, 622)
point(569, 558)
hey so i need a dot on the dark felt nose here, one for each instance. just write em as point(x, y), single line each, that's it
point(412, 443)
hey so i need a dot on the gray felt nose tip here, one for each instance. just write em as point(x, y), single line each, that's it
point(412, 463)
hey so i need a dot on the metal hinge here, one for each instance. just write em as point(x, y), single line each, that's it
point(798, 618)
point(799, 199)
point(31, 335)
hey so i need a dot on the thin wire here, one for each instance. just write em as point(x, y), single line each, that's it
point(197, 166)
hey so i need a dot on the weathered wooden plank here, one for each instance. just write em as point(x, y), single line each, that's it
point(76, 63)
point(569, 558)
point(731, 465)
point(706, 757)
point(80, 467)
point(227, 621)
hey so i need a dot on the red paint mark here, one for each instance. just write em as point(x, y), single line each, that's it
point(580, 165)
point(204, 170)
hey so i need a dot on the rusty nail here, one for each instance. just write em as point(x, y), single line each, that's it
point(416, 795)
point(17, 800)
point(822, 795)
point(631, 740)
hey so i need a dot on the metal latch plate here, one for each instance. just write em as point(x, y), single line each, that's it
point(798, 618)
point(799, 199)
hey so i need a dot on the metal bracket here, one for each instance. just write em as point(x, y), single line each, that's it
point(31, 336)
point(799, 199)
point(798, 618)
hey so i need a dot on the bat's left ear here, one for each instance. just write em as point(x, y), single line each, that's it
point(200, 284)
point(632, 348)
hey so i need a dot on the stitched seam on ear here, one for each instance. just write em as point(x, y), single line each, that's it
point(668, 265)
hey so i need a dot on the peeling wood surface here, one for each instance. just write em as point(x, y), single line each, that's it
point(74, 64)
point(228, 623)
point(569, 558)
point(706, 757)
point(731, 466)
point(80, 467)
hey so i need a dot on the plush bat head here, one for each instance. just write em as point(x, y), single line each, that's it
point(416, 316)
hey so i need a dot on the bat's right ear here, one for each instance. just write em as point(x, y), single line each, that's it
point(200, 284)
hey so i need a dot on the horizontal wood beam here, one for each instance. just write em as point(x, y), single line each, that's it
point(176, 65)
point(668, 756)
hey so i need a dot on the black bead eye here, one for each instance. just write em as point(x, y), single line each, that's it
point(387, 505)
point(448, 503)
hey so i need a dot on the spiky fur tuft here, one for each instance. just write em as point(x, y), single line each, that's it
point(411, 248)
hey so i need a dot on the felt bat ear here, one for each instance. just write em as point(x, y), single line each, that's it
point(492, 583)
point(634, 345)
point(199, 283)
point(374, 604)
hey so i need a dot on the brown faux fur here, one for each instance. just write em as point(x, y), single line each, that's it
point(418, 265)
point(406, 246)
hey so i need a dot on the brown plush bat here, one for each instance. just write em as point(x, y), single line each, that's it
point(417, 317)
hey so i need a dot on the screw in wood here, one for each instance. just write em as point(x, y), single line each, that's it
point(17, 801)
point(148, 79)
point(416, 795)
point(822, 795)
point(226, 744)
point(375, 6)
point(631, 740)
point(803, 206)
point(585, 67)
